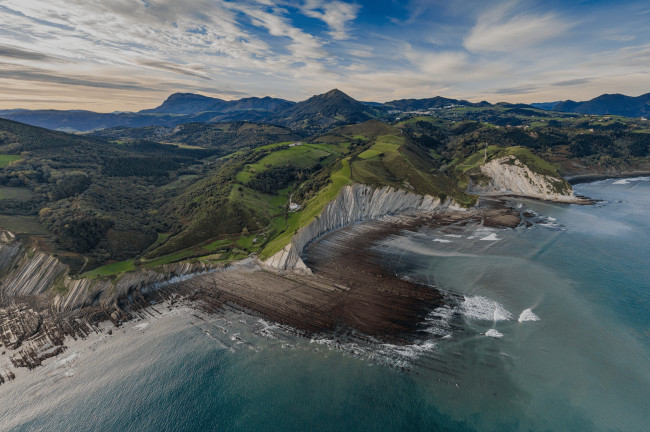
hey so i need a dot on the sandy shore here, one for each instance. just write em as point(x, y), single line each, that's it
point(348, 293)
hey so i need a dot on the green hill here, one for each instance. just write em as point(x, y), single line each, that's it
point(218, 192)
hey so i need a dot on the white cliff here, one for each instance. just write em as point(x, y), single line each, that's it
point(354, 203)
point(509, 176)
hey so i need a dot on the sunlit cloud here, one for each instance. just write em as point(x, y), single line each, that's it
point(499, 30)
point(129, 54)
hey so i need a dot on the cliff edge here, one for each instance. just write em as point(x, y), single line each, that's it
point(355, 203)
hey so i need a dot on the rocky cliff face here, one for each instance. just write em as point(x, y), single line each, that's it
point(27, 272)
point(509, 176)
point(353, 204)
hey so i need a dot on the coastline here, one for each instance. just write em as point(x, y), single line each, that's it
point(348, 293)
point(588, 178)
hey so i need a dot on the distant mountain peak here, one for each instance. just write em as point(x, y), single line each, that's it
point(615, 104)
point(334, 92)
point(326, 110)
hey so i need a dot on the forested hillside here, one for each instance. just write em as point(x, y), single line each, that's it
point(221, 191)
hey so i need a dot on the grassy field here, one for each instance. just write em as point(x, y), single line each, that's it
point(17, 193)
point(22, 224)
point(162, 238)
point(385, 144)
point(6, 159)
point(340, 177)
point(302, 156)
point(110, 269)
point(535, 163)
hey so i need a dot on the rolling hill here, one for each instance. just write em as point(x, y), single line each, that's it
point(215, 192)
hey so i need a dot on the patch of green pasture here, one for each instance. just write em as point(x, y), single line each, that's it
point(300, 156)
point(17, 193)
point(110, 269)
point(167, 259)
point(385, 144)
point(22, 224)
point(6, 159)
point(162, 238)
point(339, 178)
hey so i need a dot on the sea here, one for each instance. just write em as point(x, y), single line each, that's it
point(546, 328)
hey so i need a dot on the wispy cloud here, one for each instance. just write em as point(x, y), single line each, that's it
point(501, 29)
point(572, 82)
point(336, 14)
point(23, 54)
point(124, 54)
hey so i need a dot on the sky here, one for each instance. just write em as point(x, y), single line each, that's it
point(126, 55)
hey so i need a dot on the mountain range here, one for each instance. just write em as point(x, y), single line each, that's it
point(612, 104)
point(315, 114)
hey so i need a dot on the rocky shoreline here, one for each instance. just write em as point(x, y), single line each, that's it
point(586, 178)
point(348, 293)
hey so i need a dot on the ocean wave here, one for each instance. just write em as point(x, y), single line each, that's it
point(484, 309)
point(528, 315)
point(491, 237)
point(493, 333)
point(438, 321)
point(626, 181)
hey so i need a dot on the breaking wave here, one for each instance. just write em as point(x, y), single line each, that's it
point(484, 309)
point(493, 333)
point(528, 315)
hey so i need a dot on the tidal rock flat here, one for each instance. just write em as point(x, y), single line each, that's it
point(349, 292)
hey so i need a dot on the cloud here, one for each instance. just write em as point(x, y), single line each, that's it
point(572, 82)
point(16, 72)
point(336, 14)
point(18, 53)
point(303, 45)
point(129, 54)
point(622, 38)
point(521, 89)
point(194, 71)
point(499, 30)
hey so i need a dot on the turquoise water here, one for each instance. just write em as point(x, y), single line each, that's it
point(548, 328)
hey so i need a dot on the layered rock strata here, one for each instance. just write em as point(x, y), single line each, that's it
point(354, 203)
point(509, 176)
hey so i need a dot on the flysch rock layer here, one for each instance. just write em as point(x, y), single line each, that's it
point(354, 203)
point(26, 272)
point(509, 176)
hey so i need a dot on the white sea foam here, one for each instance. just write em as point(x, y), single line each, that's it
point(69, 359)
point(493, 333)
point(442, 240)
point(454, 235)
point(491, 237)
point(631, 179)
point(485, 309)
point(141, 326)
point(481, 232)
point(528, 315)
point(438, 321)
